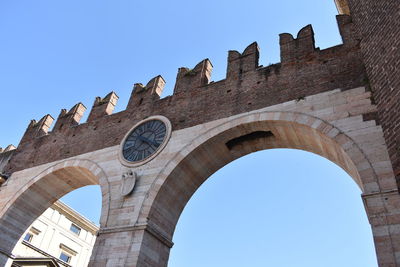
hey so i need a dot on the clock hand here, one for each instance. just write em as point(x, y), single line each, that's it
point(142, 138)
point(153, 142)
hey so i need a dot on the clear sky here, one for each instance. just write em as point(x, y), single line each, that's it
point(298, 210)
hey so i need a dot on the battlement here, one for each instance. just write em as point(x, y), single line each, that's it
point(7, 149)
point(103, 106)
point(304, 70)
point(297, 49)
point(342, 7)
point(5, 155)
point(240, 63)
point(146, 94)
point(192, 78)
point(37, 129)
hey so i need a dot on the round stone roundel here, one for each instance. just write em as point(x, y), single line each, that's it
point(145, 140)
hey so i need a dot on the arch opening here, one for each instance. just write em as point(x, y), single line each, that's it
point(277, 207)
point(214, 153)
point(39, 193)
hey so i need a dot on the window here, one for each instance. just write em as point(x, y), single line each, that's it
point(30, 234)
point(65, 257)
point(66, 253)
point(28, 237)
point(75, 229)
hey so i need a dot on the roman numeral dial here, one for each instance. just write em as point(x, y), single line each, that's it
point(144, 140)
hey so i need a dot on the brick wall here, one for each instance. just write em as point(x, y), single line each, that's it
point(378, 25)
point(304, 70)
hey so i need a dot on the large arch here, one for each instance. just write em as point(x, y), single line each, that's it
point(40, 192)
point(228, 141)
point(271, 207)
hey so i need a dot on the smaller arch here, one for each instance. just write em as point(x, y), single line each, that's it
point(41, 191)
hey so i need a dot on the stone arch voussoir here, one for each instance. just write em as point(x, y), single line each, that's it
point(352, 159)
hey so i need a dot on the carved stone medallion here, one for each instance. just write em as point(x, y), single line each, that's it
point(128, 182)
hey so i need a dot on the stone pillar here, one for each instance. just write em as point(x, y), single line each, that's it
point(154, 249)
point(383, 211)
point(5, 259)
point(112, 248)
point(131, 246)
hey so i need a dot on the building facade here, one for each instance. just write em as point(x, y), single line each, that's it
point(59, 236)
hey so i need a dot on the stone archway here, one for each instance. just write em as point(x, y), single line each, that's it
point(192, 165)
point(28, 201)
point(219, 134)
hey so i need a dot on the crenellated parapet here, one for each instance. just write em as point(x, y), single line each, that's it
point(343, 7)
point(5, 156)
point(302, 48)
point(37, 128)
point(7, 149)
point(143, 95)
point(103, 106)
point(303, 70)
point(69, 118)
point(296, 49)
point(192, 78)
point(350, 36)
point(238, 64)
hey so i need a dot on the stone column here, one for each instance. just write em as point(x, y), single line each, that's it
point(5, 259)
point(131, 246)
point(383, 211)
point(154, 249)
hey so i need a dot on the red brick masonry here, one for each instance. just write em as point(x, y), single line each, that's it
point(304, 70)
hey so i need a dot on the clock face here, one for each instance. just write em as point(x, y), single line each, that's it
point(144, 140)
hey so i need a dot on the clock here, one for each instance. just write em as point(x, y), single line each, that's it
point(145, 140)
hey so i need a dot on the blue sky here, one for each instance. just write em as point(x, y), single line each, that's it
point(298, 210)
